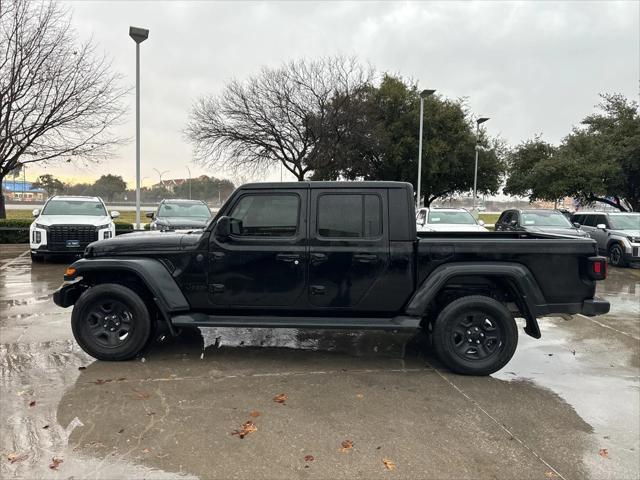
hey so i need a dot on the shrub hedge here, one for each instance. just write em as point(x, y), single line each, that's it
point(16, 230)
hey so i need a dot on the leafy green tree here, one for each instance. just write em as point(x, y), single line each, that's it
point(599, 161)
point(381, 143)
point(109, 186)
point(49, 184)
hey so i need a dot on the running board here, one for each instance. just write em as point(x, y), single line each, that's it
point(356, 323)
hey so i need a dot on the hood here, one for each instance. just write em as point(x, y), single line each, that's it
point(627, 233)
point(182, 222)
point(574, 232)
point(48, 220)
point(451, 227)
point(144, 243)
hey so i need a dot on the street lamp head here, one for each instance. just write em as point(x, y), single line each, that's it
point(426, 93)
point(481, 120)
point(139, 35)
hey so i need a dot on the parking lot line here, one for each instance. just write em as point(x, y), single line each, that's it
point(609, 327)
point(11, 262)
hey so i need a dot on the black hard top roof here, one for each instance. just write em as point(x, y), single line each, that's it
point(367, 184)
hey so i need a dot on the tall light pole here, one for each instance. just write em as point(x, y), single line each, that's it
point(139, 35)
point(160, 173)
point(188, 170)
point(475, 173)
point(423, 94)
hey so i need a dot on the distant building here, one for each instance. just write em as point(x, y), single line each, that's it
point(21, 191)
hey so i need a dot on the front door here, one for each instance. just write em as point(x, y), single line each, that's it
point(348, 248)
point(265, 265)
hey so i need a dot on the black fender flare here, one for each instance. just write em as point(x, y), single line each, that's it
point(530, 299)
point(152, 273)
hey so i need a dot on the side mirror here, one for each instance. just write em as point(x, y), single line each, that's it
point(227, 226)
point(481, 223)
point(149, 214)
point(115, 214)
point(576, 224)
point(35, 212)
point(601, 226)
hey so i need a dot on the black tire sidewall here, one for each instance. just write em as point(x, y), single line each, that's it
point(620, 262)
point(141, 330)
point(443, 333)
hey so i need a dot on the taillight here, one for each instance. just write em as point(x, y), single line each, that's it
point(598, 268)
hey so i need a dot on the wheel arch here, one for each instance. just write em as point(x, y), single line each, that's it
point(146, 276)
point(514, 278)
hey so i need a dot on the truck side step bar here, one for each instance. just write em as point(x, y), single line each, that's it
point(356, 323)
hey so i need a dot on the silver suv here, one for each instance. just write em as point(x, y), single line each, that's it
point(617, 234)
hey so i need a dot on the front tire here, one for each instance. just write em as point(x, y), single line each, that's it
point(616, 255)
point(111, 322)
point(475, 335)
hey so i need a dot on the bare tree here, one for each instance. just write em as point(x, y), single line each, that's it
point(289, 115)
point(58, 98)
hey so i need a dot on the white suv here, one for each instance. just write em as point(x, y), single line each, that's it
point(66, 225)
point(447, 220)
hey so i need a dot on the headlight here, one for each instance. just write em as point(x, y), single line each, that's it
point(43, 227)
point(102, 227)
point(634, 239)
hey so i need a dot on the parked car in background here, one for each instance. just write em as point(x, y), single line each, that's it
point(447, 220)
point(537, 221)
point(617, 234)
point(67, 224)
point(180, 215)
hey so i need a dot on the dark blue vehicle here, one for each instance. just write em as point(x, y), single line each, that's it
point(330, 255)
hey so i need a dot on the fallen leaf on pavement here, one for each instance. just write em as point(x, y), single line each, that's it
point(141, 395)
point(360, 396)
point(55, 463)
point(247, 428)
point(388, 464)
point(309, 458)
point(346, 446)
point(32, 403)
point(254, 414)
point(280, 398)
point(550, 474)
point(100, 381)
point(122, 379)
point(146, 450)
point(45, 427)
point(604, 453)
point(14, 457)
point(121, 430)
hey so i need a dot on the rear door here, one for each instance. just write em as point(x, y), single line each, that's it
point(348, 247)
point(265, 265)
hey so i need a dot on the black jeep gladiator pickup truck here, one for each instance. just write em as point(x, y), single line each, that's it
point(330, 255)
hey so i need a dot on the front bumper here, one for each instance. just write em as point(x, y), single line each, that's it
point(595, 306)
point(68, 293)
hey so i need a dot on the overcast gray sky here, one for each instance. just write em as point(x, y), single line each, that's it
point(533, 67)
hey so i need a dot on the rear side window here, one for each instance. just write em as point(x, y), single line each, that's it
point(349, 216)
point(589, 220)
point(267, 215)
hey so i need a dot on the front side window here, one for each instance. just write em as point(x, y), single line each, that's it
point(90, 208)
point(349, 216)
point(267, 215)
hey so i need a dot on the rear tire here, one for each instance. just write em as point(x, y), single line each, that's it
point(111, 322)
point(616, 255)
point(475, 335)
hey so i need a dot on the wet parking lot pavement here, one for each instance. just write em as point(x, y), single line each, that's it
point(566, 406)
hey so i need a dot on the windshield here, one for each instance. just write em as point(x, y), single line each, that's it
point(625, 222)
point(545, 219)
point(194, 210)
point(75, 207)
point(456, 218)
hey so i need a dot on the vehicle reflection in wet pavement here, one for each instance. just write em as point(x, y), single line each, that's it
point(551, 412)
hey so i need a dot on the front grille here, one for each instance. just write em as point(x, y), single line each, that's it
point(58, 235)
